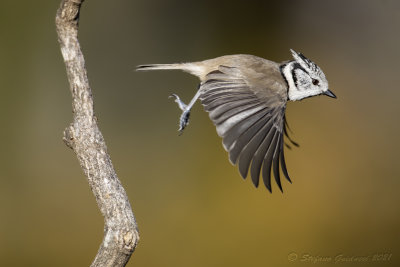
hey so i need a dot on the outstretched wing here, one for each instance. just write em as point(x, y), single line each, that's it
point(251, 121)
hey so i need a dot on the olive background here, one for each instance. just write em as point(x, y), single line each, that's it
point(192, 207)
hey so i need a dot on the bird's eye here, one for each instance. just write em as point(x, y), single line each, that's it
point(315, 82)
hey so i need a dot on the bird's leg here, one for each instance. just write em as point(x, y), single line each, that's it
point(184, 118)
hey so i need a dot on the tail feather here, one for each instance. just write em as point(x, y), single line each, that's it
point(192, 68)
point(161, 67)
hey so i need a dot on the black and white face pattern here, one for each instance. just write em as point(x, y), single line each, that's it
point(304, 77)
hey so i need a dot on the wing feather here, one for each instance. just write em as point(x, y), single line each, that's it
point(249, 153)
point(245, 125)
point(214, 102)
point(245, 138)
point(239, 105)
point(235, 111)
point(259, 156)
point(266, 168)
point(226, 125)
point(283, 163)
point(275, 165)
point(251, 123)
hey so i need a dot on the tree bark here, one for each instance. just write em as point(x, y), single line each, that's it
point(84, 137)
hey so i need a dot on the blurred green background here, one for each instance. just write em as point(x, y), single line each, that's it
point(192, 207)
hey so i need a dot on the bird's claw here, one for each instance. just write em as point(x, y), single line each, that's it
point(184, 121)
point(181, 105)
point(184, 118)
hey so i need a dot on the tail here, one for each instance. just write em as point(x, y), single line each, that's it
point(193, 68)
point(161, 67)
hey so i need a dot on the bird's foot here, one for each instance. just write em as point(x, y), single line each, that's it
point(181, 105)
point(184, 118)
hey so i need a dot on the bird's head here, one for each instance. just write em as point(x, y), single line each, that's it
point(305, 78)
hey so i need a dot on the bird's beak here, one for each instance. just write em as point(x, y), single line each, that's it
point(329, 93)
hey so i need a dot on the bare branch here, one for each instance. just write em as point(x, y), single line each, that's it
point(84, 137)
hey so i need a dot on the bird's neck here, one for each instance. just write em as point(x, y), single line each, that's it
point(288, 74)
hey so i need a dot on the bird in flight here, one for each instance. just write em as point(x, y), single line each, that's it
point(246, 98)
